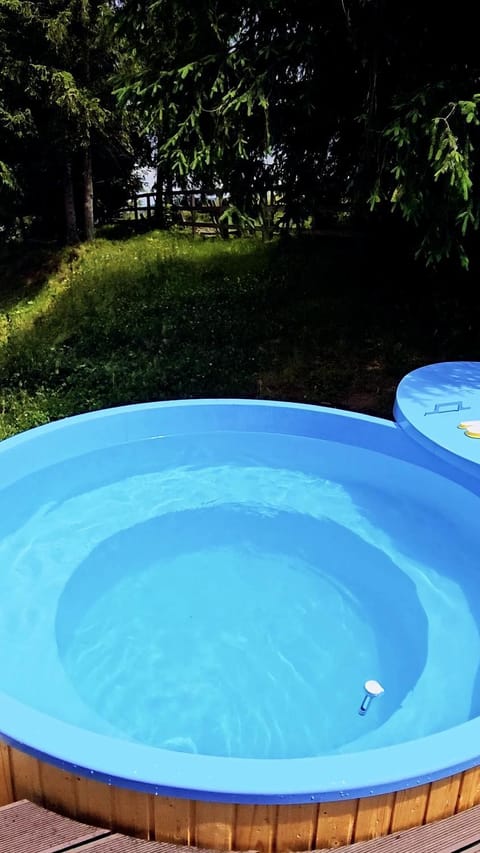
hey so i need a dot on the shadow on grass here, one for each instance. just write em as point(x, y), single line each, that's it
point(25, 268)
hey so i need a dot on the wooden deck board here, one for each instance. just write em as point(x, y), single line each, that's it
point(450, 835)
point(28, 828)
point(117, 843)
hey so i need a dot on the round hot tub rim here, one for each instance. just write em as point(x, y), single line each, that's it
point(238, 780)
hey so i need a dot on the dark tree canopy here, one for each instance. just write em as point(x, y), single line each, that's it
point(367, 101)
point(59, 117)
point(371, 106)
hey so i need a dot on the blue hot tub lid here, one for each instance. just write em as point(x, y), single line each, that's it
point(439, 406)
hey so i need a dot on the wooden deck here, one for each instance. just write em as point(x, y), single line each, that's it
point(27, 828)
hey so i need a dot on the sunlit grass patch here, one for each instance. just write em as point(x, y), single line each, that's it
point(151, 317)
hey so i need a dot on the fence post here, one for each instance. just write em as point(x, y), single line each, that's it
point(193, 214)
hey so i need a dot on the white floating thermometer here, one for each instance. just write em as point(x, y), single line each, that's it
point(372, 689)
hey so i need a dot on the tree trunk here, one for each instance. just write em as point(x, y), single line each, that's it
point(88, 221)
point(71, 229)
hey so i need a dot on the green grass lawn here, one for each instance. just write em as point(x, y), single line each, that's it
point(330, 320)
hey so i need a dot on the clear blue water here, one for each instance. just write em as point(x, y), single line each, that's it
point(229, 595)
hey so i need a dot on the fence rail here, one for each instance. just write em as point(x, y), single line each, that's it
point(201, 211)
point(204, 212)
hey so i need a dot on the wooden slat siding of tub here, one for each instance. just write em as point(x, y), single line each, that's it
point(374, 816)
point(214, 825)
point(469, 794)
point(59, 787)
point(132, 812)
point(409, 808)
point(26, 778)
point(443, 798)
point(94, 801)
point(336, 823)
point(173, 820)
point(255, 828)
point(296, 826)
point(6, 789)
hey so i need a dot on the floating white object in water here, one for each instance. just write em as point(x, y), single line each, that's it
point(372, 689)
